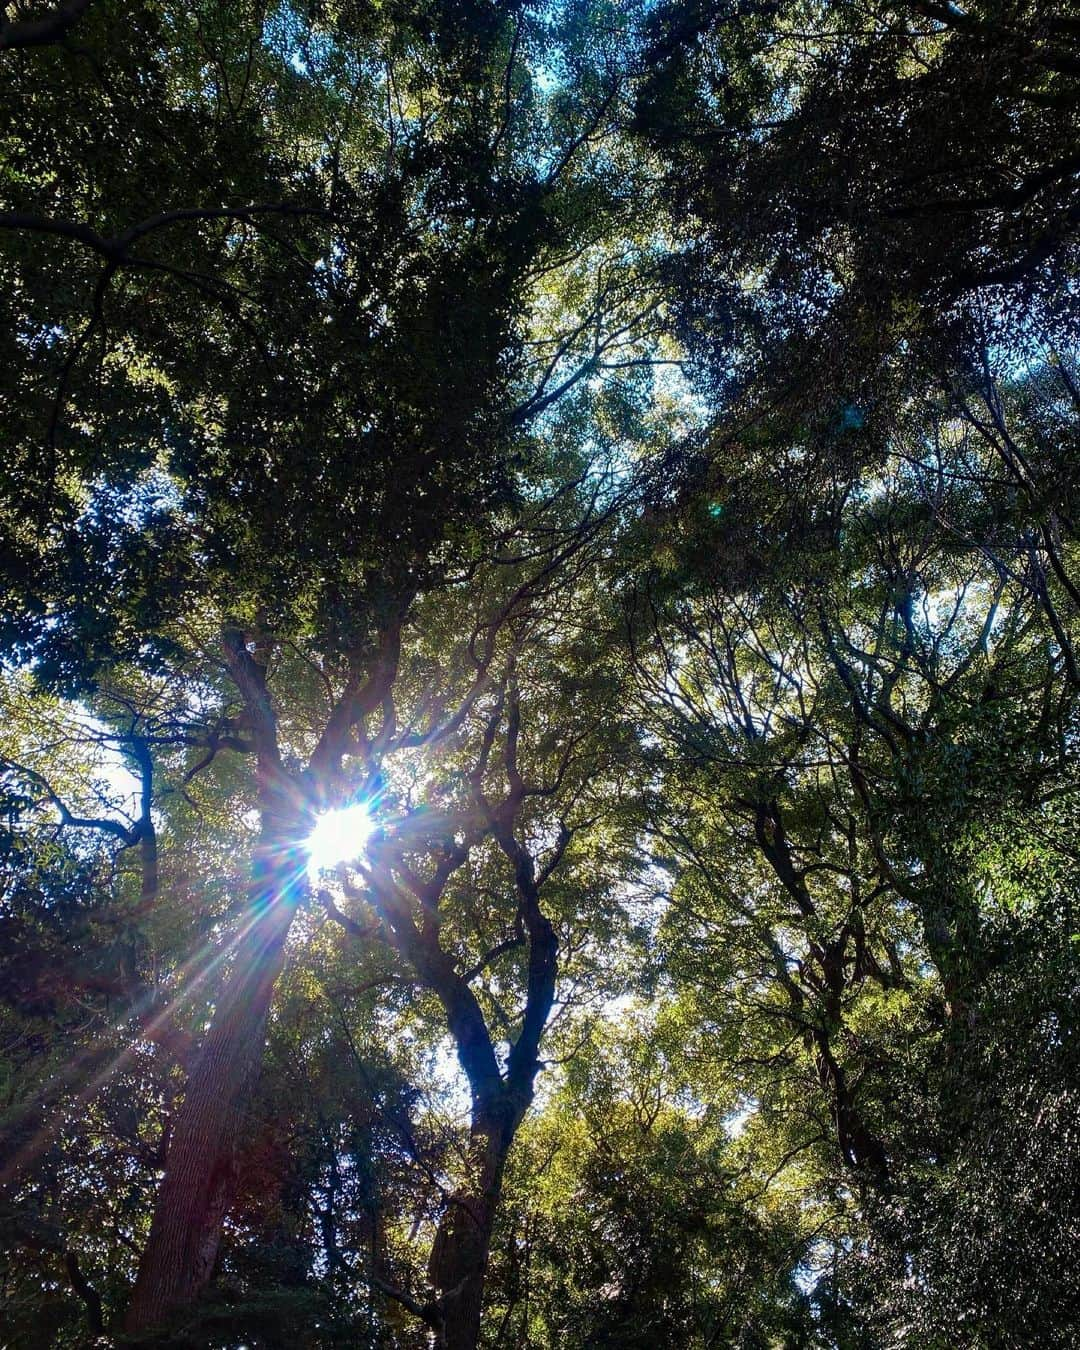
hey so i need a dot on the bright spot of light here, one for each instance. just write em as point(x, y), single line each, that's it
point(339, 836)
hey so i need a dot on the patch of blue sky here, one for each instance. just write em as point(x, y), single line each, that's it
point(447, 1086)
point(1018, 343)
point(289, 35)
point(68, 741)
point(815, 1264)
point(736, 1121)
point(545, 77)
point(153, 494)
point(119, 787)
point(37, 338)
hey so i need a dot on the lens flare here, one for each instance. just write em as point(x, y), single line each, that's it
point(339, 836)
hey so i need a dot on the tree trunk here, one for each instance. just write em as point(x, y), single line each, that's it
point(462, 1247)
point(200, 1168)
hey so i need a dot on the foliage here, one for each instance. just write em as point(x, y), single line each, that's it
point(628, 451)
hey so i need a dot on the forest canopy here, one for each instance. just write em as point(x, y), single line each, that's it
point(539, 674)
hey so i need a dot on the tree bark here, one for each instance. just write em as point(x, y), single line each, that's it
point(200, 1168)
point(462, 1246)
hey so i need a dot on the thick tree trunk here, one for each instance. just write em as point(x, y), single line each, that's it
point(200, 1167)
point(861, 1148)
point(459, 1256)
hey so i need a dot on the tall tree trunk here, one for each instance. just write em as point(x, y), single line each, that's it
point(462, 1246)
point(458, 1263)
point(861, 1148)
point(200, 1168)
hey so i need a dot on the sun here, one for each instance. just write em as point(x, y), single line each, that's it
point(339, 836)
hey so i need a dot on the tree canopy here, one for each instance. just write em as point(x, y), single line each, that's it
point(539, 674)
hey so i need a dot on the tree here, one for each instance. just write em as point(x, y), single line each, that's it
point(408, 219)
point(843, 747)
point(856, 197)
point(631, 1220)
point(539, 674)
